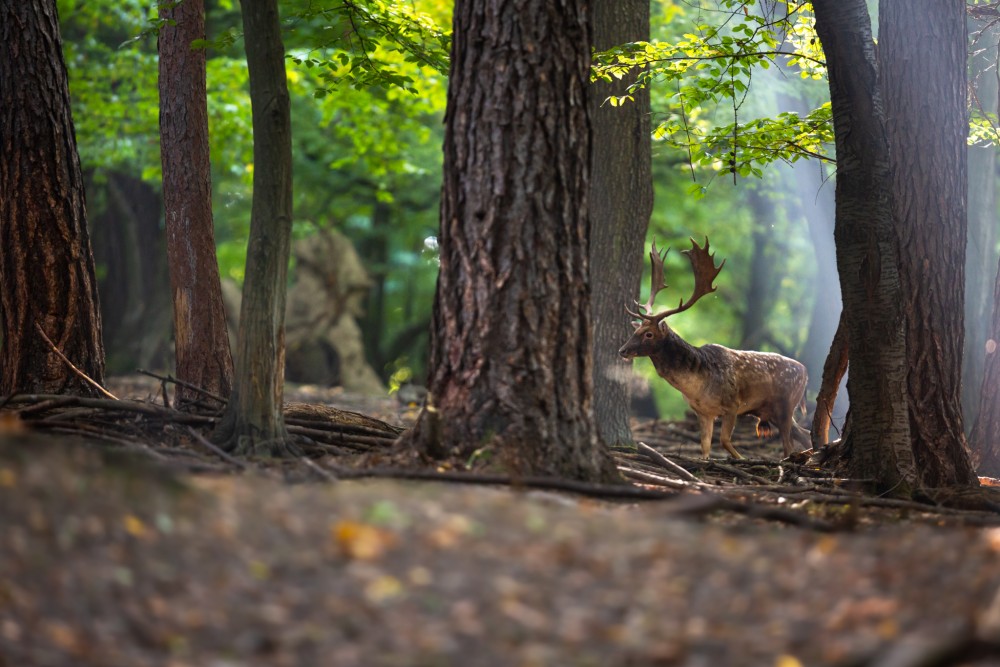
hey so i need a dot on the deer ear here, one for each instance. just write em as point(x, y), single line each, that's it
point(662, 324)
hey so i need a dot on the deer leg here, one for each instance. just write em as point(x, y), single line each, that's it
point(787, 424)
point(706, 424)
point(726, 435)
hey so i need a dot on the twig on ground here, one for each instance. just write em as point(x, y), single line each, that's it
point(651, 478)
point(656, 456)
point(81, 374)
point(320, 470)
point(181, 383)
point(215, 449)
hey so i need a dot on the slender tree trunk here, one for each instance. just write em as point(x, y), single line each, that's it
point(510, 369)
point(621, 200)
point(815, 201)
point(981, 257)
point(761, 286)
point(200, 334)
point(928, 164)
point(48, 287)
point(879, 434)
point(130, 251)
point(253, 422)
point(833, 373)
point(985, 438)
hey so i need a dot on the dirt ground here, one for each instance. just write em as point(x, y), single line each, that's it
point(108, 558)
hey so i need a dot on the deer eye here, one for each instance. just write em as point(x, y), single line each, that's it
point(648, 334)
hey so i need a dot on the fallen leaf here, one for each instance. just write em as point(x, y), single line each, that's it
point(362, 541)
point(787, 661)
point(134, 526)
point(383, 588)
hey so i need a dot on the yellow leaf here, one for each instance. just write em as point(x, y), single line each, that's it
point(134, 526)
point(787, 661)
point(260, 570)
point(383, 588)
point(360, 540)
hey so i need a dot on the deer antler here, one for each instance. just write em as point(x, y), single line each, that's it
point(705, 272)
point(656, 282)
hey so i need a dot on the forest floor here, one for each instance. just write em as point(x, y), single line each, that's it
point(117, 552)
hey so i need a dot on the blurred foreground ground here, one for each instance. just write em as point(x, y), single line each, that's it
point(108, 560)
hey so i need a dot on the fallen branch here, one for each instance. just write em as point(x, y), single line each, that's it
point(81, 374)
point(654, 455)
point(181, 383)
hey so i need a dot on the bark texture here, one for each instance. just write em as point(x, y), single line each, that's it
point(201, 341)
point(47, 280)
point(925, 102)
point(510, 361)
point(879, 432)
point(253, 422)
point(621, 201)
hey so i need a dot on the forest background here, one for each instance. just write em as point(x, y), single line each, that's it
point(367, 163)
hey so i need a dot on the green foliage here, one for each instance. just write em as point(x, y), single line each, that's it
point(365, 43)
point(708, 71)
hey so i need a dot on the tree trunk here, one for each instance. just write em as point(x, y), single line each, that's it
point(878, 434)
point(985, 438)
point(928, 166)
point(826, 398)
point(510, 369)
point(46, 266)
point(130, 253)
point(201, 340)
point(253, 422)
point(815, 201)
point(981, 257)
point(762, 284)
point(621, 200)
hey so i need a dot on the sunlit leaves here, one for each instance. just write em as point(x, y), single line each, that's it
point(365, 43)
point(710, 67)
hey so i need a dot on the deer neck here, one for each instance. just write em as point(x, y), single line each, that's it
point(676, 359)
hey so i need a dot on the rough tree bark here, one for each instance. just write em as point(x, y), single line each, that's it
point(621, 201)
point(46, 266)
point(253, 422)
point(928, 166)
point(879, 435)
point(510, 369)
point(201, 341)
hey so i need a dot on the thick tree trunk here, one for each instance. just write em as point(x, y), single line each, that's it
point(981, 255)
point(510, 369)
point(879, 434)
point(928, 165)
point(47, 281)
point(201, 340)
point(621, 200)
point(253, 422)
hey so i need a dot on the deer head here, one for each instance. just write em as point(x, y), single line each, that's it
point(651, 329)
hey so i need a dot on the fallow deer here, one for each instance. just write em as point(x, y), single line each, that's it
point(715, 380)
